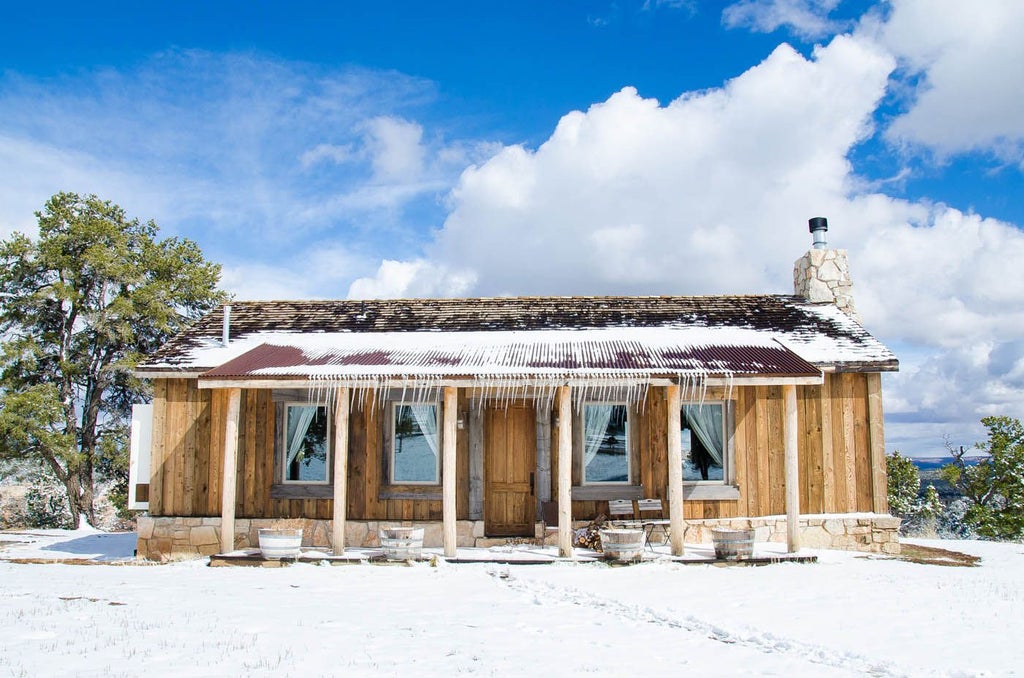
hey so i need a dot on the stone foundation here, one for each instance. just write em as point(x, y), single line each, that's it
point(164, 539)
point(868, 532)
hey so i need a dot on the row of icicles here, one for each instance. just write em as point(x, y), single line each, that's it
point(503, 390)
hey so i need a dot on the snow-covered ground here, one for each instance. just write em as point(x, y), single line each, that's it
point(846, 615)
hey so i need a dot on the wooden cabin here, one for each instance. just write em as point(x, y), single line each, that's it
point(467, 415)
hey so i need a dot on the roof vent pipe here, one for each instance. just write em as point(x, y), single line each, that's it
point(225, 336)
point(818, 226)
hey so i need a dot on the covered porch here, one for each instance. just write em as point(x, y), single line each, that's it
point(509, 421)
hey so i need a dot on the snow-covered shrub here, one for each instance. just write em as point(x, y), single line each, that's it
point(45, 509)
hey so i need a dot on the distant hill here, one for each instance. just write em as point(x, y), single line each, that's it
point(929, 468)
point(930, 463)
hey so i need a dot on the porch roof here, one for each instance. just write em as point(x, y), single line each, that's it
point(604, 354)
point(770, 334)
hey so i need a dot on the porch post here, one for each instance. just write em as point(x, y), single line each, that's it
point(230, 480)
point(675, 471)
point(341, 410)
point(564, 473)
point(448, 470)
point(792, 471)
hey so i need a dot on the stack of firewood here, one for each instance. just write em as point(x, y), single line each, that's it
point(589, 537)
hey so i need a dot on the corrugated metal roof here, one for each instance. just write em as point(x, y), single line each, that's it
point(820, 333)
point(590, 357)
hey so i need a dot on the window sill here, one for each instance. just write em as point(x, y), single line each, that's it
point(421, 492)
point(606, 492)
point(698, 492)
point(301, 491)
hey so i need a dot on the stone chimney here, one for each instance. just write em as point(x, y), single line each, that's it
point(823, 274)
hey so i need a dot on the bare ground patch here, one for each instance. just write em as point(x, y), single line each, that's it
point(930, 555)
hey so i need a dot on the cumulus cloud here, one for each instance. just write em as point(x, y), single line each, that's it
point(963, 61)
point(710, 194)
point(806, 18)
point(634, 197)
point(418, 278)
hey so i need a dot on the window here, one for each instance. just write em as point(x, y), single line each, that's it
point(705, 456)
point(605, 443)
point(415, 449)
point(306, 443)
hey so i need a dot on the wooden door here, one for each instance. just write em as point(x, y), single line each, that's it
point(510, 457)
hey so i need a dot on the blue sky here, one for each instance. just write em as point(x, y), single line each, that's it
point(646, 147)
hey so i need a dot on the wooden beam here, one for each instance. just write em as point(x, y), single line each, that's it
point(451, 414)
point(827, 456)
point(227, 495)
point(792, 471)
point(564, 473)
point(476, 460)
point(675, 471)
point(341, 412)
point(876, 443)
point(765, 381)
point(543, 427)
point(539, 382)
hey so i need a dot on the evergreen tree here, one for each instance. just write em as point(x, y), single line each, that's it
point(79, 307)
point(993, 489)
point(904, 485)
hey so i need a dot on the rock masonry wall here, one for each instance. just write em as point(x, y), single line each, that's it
point(163, 539)
point(824, 276)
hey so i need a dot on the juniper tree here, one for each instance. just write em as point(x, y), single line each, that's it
point(904, 485)
point(79, 306)
point(994, 487)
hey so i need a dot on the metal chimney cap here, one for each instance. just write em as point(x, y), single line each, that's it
point(817, 224)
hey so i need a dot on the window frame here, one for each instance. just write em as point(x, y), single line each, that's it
point(283, 438)
point(728, 452)
point(393, 449)
point(627, 406)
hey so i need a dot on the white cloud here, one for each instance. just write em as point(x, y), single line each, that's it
point(321, 270)
point(328, 153)
point(31, 172)
point(396, 149)
point(398, 279)
point(710, 194)
point(242, 151)
point(634, 197)
point(806, 18)
point(967, 56)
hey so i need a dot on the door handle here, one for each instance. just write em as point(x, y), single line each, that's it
point(531, 484)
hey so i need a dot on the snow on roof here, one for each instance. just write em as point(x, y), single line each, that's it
point(750, 334)
point(552, 353)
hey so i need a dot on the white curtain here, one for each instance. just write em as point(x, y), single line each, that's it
point(299, 419)
point(426, 419)
point(595, 429)
point(706, 422)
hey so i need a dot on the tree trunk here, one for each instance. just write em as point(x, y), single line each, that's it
point(71, 487)
point(81, 492)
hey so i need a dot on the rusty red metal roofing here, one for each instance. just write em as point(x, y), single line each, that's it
point(586, 358)
point(820, 333)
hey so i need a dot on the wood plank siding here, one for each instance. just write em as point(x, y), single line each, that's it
point(839, 445)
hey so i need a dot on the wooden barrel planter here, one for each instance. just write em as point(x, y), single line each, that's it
point(623, 545)
point(401, 543)
point(277, 544)
point(733, 544)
